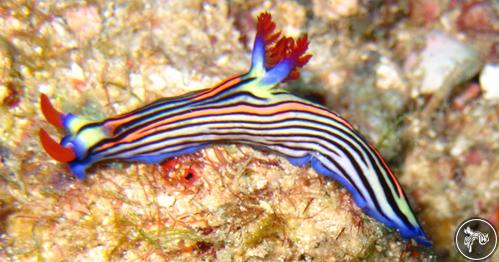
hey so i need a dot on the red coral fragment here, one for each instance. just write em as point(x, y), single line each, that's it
point(474, 157)
point(478, 16)
point(471, 92)
point(12, 99)
point(181, 170)
point(424, 11)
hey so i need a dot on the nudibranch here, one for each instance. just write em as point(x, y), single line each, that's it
point(245, 109)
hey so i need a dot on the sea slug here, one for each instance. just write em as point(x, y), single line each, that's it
point(245, 109)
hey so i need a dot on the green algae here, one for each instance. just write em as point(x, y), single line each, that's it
point(267, 226)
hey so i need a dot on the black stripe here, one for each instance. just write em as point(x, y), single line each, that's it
point(162, 102)
point(187, 106)
point(299, 126)
point(234, 105)
point(121, 136)
point(130, 148)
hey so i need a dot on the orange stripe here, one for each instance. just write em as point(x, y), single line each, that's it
point(221, 111)
point(112, 125)
point(217, 89)
point(399, 188)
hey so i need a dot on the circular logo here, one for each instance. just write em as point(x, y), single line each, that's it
point(476, 239)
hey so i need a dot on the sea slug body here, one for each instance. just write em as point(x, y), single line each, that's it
point(245, 109)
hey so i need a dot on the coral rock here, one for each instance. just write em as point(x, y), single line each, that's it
point(444, 63)
point(489, 82)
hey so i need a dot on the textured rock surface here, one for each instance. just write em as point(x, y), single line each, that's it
point(444, 63)
point(489, 81)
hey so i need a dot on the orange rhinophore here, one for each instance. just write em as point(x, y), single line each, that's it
point(54, 117)
point(54, 149)
point(51, 114)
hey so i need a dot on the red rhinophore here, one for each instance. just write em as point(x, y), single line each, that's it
point(54, 149)
point(277, 49)
point(51, 114)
